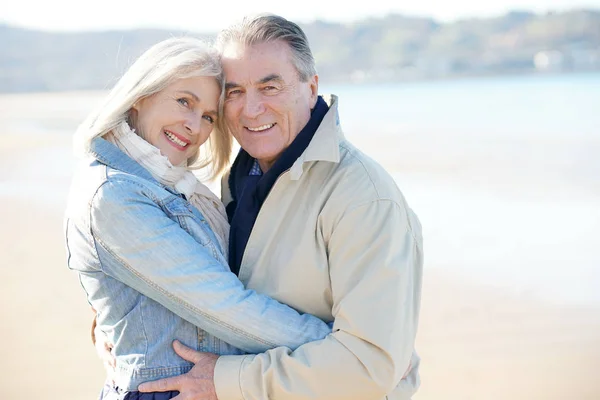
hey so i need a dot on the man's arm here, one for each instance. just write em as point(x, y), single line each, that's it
point(376, 259)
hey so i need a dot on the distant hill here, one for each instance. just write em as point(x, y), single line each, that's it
point(392, 48)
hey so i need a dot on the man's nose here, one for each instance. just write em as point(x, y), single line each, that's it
point(253, 105)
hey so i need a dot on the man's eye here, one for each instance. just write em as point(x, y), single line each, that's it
point(233, 92)
point(184, 102)
point(269, 88)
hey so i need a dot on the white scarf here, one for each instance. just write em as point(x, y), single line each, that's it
point(178, 178)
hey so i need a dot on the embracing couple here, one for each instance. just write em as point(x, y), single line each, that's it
point(302, 281)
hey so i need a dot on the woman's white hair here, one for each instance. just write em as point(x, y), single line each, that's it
point(160, 66)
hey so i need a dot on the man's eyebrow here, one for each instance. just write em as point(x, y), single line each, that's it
point(271, 77)
point(193, 95)
point(229, 85)
point(262, 81)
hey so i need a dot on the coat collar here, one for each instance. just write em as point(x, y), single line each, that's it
point(324, 145)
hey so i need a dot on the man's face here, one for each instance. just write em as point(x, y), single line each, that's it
point(266, 104)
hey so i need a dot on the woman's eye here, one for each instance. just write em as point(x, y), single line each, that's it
point(209, 119)
point(183, 101)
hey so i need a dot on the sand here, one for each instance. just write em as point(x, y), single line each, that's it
point(476, 342)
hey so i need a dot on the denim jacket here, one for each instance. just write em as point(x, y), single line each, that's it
point(154, 272)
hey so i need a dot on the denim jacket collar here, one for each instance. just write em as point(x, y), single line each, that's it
point(110, 155)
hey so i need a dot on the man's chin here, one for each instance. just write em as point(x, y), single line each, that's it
point(260, 152)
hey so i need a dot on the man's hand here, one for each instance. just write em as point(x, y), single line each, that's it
point(197, 384)
point(104, 351)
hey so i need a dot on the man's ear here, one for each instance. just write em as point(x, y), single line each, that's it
point(314, 90)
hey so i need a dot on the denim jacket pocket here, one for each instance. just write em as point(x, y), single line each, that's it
point(183, 213)
point(176, 206)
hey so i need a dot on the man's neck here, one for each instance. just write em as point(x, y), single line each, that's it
point(265, 165)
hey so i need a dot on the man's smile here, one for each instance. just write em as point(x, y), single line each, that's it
point(261, 128)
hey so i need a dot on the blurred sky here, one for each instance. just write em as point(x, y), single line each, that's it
point(210, 16)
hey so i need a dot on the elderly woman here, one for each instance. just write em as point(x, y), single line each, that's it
point(149, 240)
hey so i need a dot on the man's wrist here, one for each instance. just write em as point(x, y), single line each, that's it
point(227, 376)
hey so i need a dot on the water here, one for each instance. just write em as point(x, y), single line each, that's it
point(534, 106)
point(504, 173)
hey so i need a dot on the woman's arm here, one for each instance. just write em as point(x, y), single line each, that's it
point(138, 244)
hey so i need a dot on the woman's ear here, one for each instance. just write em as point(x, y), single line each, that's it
point(132, 118)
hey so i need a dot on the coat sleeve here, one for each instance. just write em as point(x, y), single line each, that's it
point(375, 261)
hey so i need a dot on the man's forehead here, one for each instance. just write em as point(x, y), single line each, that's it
point(236, 51)
point(245, 64)
point(233, 51)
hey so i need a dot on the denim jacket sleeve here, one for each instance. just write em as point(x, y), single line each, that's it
point(138, 244)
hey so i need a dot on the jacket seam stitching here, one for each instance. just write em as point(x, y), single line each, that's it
point(362, 164)
point(381, 200)
point(379, 197)
point(125, 179)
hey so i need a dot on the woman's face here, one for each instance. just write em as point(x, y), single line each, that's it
point(178, 119)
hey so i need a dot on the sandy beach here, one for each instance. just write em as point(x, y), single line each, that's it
point(477, 341)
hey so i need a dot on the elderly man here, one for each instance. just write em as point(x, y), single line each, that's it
point(315, 224)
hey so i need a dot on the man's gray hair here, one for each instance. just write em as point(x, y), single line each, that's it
point(269, 28)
